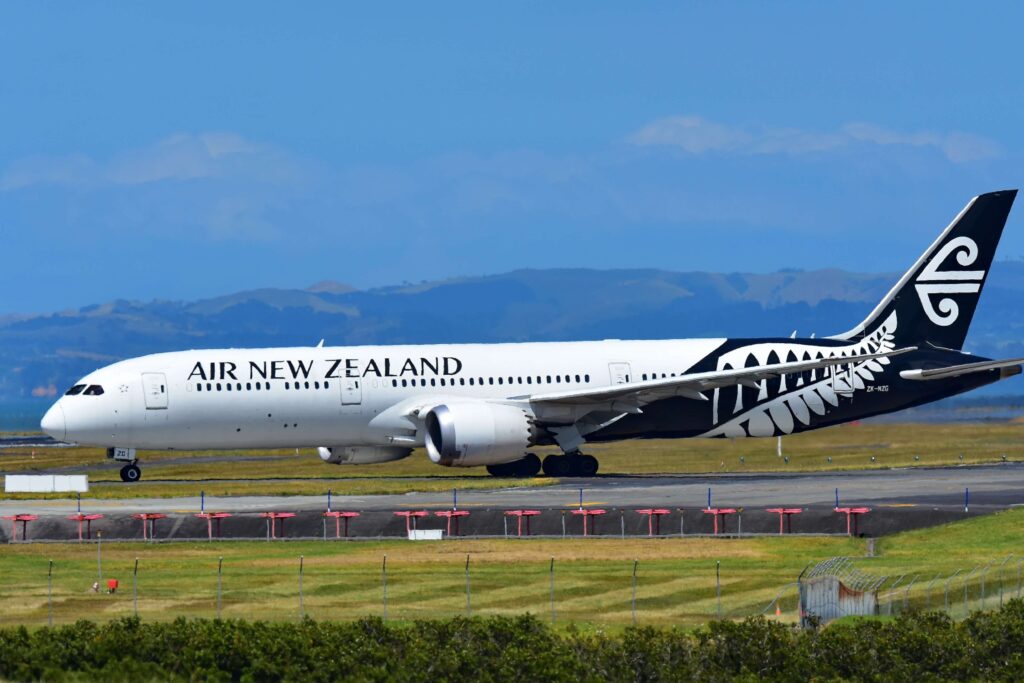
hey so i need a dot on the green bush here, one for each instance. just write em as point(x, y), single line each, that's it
point(926, 646)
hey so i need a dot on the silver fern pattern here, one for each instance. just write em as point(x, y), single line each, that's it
point(800, 397)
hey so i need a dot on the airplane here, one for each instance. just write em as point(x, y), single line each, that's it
point(488, 405)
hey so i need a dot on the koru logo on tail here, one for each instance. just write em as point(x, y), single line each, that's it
point(932, 281)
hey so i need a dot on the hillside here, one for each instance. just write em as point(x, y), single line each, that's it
point(43, 354)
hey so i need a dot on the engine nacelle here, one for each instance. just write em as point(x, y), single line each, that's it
point(362, 455)
point(476, 433)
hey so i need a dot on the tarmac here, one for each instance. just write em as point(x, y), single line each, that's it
point(899, 499)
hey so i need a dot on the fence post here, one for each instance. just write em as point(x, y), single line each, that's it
point(946, 589)
point(302, 611)
point(49, 595)
point(891, 589)
point(928, 604)
point(384, 583)
point(551, 588)
point(967, 585)
point(635, 563)
point(469, 610)
point(99, 558)
point(135, 588)
point(220, 567)
point(718, 584)
point(622, 522)
point(1001, 566)
point(906, 592)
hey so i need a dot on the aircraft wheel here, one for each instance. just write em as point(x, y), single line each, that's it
point(528, 466)
point(131, 473)
point(587, 466)
point(555, 466)
point(502, 470)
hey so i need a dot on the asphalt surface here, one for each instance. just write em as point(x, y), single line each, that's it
point(992, 487)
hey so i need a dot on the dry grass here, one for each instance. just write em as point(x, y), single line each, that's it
point(593, 577)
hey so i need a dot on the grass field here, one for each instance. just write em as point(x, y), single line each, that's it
point(285, 472)
point(593, 577)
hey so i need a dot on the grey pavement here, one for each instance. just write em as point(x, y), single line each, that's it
point(991, 487)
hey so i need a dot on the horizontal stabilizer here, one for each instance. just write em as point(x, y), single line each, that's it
point(1010, 367)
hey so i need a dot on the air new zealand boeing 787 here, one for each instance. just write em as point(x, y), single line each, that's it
point(489, 404)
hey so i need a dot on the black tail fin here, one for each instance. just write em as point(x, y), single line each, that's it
point(934, 301)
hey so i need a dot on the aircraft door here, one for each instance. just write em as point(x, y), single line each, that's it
point(619, 373)
point(351, 391)
point(154, 388)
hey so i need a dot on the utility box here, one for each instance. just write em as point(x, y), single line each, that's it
point(425, 534)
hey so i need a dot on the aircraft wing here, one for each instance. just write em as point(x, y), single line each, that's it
point(965, 369)
point(693, 385)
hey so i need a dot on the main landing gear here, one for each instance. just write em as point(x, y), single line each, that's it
point(570, 465)
point(131, 472)
point(527, 467)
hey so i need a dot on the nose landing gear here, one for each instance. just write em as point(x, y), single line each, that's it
point(570, 465)
point(131, 473)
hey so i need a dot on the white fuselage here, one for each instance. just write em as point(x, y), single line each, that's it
point(334, 396)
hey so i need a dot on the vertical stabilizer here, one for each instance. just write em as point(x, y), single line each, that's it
point(934, 301)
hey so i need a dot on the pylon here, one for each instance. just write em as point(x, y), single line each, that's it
point(778, 610)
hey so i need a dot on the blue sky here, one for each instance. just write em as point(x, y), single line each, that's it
point(188, 150)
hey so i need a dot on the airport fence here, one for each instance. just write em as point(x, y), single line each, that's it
point(626, 592)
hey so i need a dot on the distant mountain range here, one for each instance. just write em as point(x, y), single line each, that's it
point(42, 354)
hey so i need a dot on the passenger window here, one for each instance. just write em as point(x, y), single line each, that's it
point(199, 387)
point(209, 387)
point(259, 386)
point(470, 381)
point(228, 386)
point(433, 382)
point(558, 379)
point(501, 380)
point(462, 381)
point(93, 390)
point(218, 386)
point(529, 380)
point(586, 378)
point(549, 379)
point(490, 380)
point(394, 383)
point(287, 385)
point(423, 382)
point(75, 390)
point(307, 385)
point(577, 378)
point(248, 386)
point(239, 386)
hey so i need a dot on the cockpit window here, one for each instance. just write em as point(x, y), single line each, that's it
point(93, 390)
point(75, 390)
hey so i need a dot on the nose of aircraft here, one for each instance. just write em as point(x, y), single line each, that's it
point(53, 423)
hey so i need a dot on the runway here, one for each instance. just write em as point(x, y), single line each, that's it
point(991, 487)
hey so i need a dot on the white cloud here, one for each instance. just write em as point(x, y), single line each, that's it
point(696, 135)
point(180, 157)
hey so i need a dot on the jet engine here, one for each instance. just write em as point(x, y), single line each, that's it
point(476, 433)
point(361, 455)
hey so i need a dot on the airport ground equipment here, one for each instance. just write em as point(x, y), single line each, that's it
point(787, 515)
point(654, 516)
point(450, 516)
point(213, 520)
point(272, 519)
point(338, 516)
point(521, 515)
point(852, 514)
point(722, 513)
point(24, 519)
point(586, 514)
point(149, 523)
point(410, 518)
point(87, 520)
